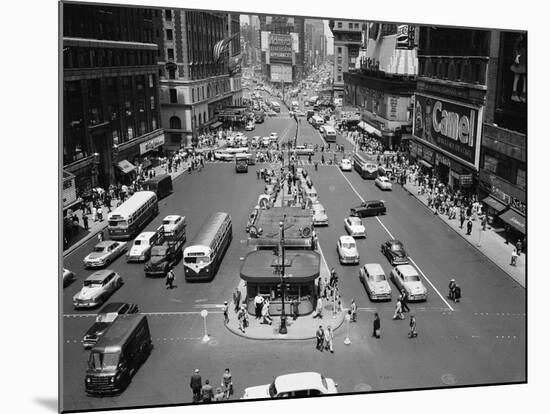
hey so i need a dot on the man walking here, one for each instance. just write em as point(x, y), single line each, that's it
point(404, 301)
point(376, 326)
point(170, 279)
point(207, 392)
point(462, 218)
point(237, 299)
point(85, 221)
point(353, 308)
point(329, 339)
point(258, 302)
point(225, 313)
point(319, 308)
point(412, 327)
point(320, 335)
point(469, 226)
point(196, 385)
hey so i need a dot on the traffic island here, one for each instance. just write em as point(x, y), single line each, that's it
point(303, 328)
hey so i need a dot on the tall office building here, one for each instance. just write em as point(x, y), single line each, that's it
point(111, 115)
point(347, 41)
point(193, 85)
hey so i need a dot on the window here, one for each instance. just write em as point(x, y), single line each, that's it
point(490, 163)
point(175, 123)
point(356, 25)
point(168, 15)
point(192, 94)
point(142, 128)
point(170, 52)
point(339, 78)
point(154, 123)
point(339, 25)
point(521, 178)
point(169, 35)
point(350, 25)
point(151, 84)
point(152, 99)
point(130, 132)
point(339, 49)
point(171, 73)
point(173, 96)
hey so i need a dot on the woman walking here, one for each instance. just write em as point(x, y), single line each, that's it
point(227, 384)
point(329, 339)
point(376, 326)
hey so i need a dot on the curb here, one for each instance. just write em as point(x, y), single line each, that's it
point(257, 338)
point(466, 240)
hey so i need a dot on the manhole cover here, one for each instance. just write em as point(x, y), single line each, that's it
point(362, 388)
point(213, 342)
point(448, 379)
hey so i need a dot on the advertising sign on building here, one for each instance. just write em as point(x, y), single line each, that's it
point(264, 44)
point(451, 127)
point(405, 37)
point(281, 73)
point(393, 102)
point(151, 144)
point(69, 189)
point(280, 47)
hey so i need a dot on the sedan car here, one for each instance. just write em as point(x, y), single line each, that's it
point(395, 252)
point(320, 217)
point(68, 277)
point(383, 182)
point(374, 280)
point(369, 208)
point(300, 113)
point(173, 225)
point(345, 164)
point(406, 278)
point(105, 253)
point(97, 288)
point(303, 150)
point(354, 227)
point(347, 250)
point(301, 384)
point(105, 317)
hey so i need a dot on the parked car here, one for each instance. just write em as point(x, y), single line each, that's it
point(369, 208)
point(105, 317)
point(68, 277)
point(301, 384)
point(354, 227)
point(97, 288)
point(320, 217)
point(347, 250)
point(405, 277)
point(374, 280)
point(395, 252)
point(345, 164)
point(383, 182)
point(105, 253)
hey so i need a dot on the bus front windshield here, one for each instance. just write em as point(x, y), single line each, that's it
point(103, 361)
point(118, 223)
point(197, 258)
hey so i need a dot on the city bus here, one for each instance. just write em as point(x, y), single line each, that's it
point(228, 154)
point(329, 134)
point(203, 256)
point(365, 165)
point(241, 162)
point(128, 219)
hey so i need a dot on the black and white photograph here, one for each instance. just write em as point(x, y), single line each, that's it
point(256, 204)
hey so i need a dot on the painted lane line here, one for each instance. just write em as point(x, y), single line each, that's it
point(389, 233)
point(431, 284)
point(323, 258)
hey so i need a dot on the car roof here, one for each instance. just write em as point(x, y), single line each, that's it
point(394, 241)
point(374, 268)
point(347, 239)
point(145, 235)
point(100, 274)
point(172, 217)
point(407, 270)
point(298, 381)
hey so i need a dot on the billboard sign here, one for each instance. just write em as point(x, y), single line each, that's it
point(280, 47)
point(405, 37)
point(281, 73)
point(452, 127)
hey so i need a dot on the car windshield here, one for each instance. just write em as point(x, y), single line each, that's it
point(168, 221)
point(272, 390)
point(396, 247)
point(158, 251)
point(92, 283)
point(377, 277)
point(99, 361)
point(412, 278)
point(100, 249)
point(137, 243)
point(348, 245)
point(354, 221)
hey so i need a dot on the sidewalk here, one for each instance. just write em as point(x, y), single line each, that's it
point(488, 242)
point(97, 226)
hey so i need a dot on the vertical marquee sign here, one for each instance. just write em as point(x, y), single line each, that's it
point(452, 127)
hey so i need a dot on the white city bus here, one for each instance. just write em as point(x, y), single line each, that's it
point(365, 165)
point(128, 219)
point(203, 256)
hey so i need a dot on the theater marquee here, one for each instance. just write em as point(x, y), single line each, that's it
point(452, 127)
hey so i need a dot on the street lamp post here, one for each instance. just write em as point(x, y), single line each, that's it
point(282, 328)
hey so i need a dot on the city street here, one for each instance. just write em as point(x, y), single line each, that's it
point(480, 340)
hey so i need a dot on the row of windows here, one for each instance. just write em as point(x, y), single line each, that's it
point(458, 70)
point(84, 57)
point(200, 92)
point(351, 25)
point(511, 170)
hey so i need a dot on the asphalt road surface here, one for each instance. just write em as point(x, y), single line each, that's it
point(480, 340)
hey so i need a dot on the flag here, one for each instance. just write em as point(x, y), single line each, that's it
point(221, 46)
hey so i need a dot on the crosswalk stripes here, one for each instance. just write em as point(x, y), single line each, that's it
point(300, 162)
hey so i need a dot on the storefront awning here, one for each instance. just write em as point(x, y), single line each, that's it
point(126, 166)
point(494, 203)
point(216, 124)
point(371, 130)
point(425, 163)
point(514, 219)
